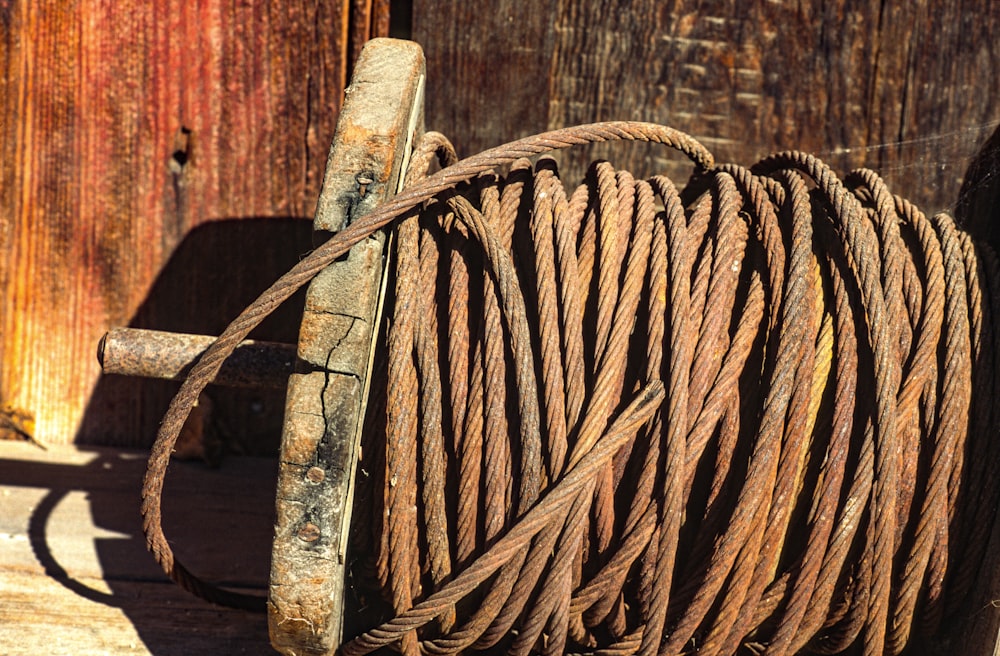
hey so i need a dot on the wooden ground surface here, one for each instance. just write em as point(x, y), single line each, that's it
point(75, 577)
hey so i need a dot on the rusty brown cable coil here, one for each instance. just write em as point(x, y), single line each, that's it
point(631, 419)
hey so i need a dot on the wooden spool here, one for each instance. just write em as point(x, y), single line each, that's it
point(382, 116)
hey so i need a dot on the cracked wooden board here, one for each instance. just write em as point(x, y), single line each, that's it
point(381, 116)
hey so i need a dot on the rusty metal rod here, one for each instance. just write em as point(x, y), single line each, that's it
point(165, 355)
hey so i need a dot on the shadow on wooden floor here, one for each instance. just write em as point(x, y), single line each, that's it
point(85, 553)
point(219, 520)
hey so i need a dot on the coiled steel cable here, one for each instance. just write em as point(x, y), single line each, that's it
point(632, 419)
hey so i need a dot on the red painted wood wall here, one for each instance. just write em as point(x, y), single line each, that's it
point(159, 161)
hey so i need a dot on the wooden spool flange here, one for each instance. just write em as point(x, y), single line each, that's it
point(381, 117)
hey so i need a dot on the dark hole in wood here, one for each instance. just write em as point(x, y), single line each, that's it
point(182, 147)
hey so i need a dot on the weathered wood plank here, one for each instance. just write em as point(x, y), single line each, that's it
point(75, 576)
point(124, 127)
point(38, 615)
point(490, 65)
point(905, 88)
point(382, 115)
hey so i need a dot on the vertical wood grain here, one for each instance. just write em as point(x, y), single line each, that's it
point(907, 88)
point(488, 67)
point(125, 127)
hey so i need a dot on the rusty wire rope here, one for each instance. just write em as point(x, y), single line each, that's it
point(627, 418)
